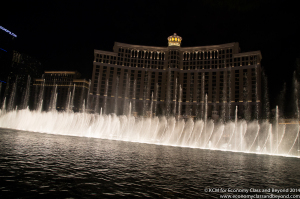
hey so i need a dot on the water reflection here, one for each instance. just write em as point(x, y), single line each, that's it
point(35, 164)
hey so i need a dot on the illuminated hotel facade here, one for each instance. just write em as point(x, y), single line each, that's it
point(178, 79)
point(70, 91)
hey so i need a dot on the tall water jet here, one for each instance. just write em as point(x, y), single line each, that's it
point(151, 106)
point(6, 89)
point(105, 97)
point(247, 110)
point(296, 96)
point(98, 94)
point(92, 101)
point(265, 99)
point(11, 100)
point(155, 100)
point(179, 101)
point(81, 98)
point(72, 99)
point(203, 96)
point(175, 98)
point(35, 100)
point(168, 93)
point(26, 94)
point(205, 119)
point(134, 96)
point(116, 97)
point(229, 93)
point(148, 83)
point(0, 90)
point(256, 95)
point(145, 104)
point(68, 101)
point(88, 96)
point(3, 108)
point(126, 95)
point(146, 94)
point(53, 100)
point(224, 97)
point(235, 127)
point(190, 111)
point(129, 113)
point(83, 106)
point(41, 96)
point(197, 111)
point(188, 105)
point(276, 123)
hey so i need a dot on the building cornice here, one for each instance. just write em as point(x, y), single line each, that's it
point(105, 52)
point(61, 72)
point(248, 54)
point(195, 48)
point(81, 80)
point(177, 69)
point(210, 47)
point(140, 47)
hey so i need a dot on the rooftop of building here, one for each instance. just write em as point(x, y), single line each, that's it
point(176, 45)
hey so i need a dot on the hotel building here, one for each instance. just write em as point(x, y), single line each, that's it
point(70, 91)
point(178, 79)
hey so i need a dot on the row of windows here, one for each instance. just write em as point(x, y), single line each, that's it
point(186, 66)
point(106, 56)
point(145, 53)
point(172, 80)
point(188, 63)
point(236, 72)
point(203, 55)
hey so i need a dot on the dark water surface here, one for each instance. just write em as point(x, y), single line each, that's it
point(37, 165)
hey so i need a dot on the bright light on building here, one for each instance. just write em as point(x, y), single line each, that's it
point(9, 32)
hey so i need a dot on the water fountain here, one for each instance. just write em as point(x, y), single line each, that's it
point(134, 96)
point(126, 96)
point(116, 97)
point(0, 89)
point(179, 101)
point(97, 107)
point(155, 100)
point(68, 100)
point(11, 101)
point(40, 97)
point(237, 135)
point(88, 96)
point(53, 100)
point(175, 98)
point(26, 94)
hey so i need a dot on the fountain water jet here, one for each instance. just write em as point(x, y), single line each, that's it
point(88, 96)
point(26, 94)
point(238, 135)
point(116, 97)
point(179, 101)
point(11, 101)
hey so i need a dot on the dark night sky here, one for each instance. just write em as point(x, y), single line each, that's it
point(63, 35)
